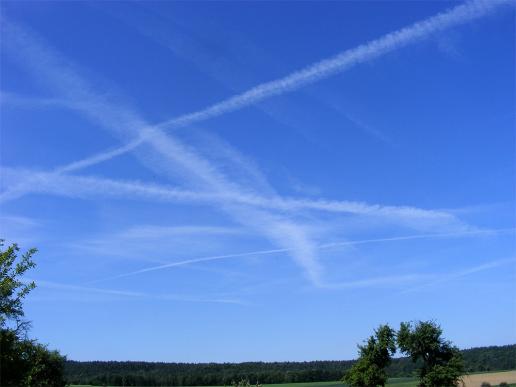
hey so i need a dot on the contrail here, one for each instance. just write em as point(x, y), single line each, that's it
point(320, 247)
point(88, 186)
point(323, 69)
point(125, 293)
point(397, 279)
point(175, 154)
point(463, 273)
point(342, 61)
point(163, 154)
point(99, 157)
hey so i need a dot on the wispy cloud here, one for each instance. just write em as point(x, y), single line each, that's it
point(395, 280)
point(403, 37)
point(13, 99)
point(162, 153)
point(148, 242)
point(441, 278)
point(428, 279)
point(18, 229)
point(91, 187)
point(325, 246)
point(459, 15)
point(153, 231)
point(168, 156)
point(131, 294)
point(363, 126)
point(17, 220)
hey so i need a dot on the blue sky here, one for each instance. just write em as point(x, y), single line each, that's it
point(234, 181)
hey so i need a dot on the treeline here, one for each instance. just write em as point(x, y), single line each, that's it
point(490, 358)
point(209, 374)
point(494, 358)
point(204, 374)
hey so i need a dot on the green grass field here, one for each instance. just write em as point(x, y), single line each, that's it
point(398, 382)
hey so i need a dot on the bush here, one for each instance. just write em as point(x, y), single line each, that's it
point(244, 383)
point(485, 384)
point(28, 363)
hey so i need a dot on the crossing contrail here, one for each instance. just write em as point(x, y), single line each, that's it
point(325, 68)
point(18, 181)
point(320, 247)
point(342, 61)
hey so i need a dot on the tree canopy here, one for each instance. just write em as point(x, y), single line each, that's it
point(441, 362)
point(12, 288)
point(131, 373)
point(23, 362)
point(375, 356)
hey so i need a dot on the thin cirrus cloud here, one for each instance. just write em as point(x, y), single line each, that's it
point(326, 246)
point(91, 187)
point(156, 232)
point(325, 68)
point(131, 294)
point(193, 48)
point(162, 153)
point(428, 280)
point(389, 281)
point(146, 242)
point(168, 156)
point(446, 277)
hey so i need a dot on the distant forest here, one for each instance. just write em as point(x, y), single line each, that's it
point(130, 373)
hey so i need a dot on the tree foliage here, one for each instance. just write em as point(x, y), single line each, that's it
point(244, 383)
point(442, 364)
point(114, 373)
point(27, 363)
point(12, 289)
point(375, 356)
point(23, 362)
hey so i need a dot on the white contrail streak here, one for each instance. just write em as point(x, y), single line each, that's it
point(163, 154)
point(414, 277)
point(170, 154)
point(463, 273)
point(100, 157)
point(87, 186)
point(325, 68)
point(342, 61)
point(320, 247)
point(322, 69)
point(125, 293)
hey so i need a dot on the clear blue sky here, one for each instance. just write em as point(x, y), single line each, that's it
point(234, 181)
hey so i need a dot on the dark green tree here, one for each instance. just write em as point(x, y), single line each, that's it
point(130, 373)
point(375, 356)
point(441, 362)
point(23, 362)
point(12, 289)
